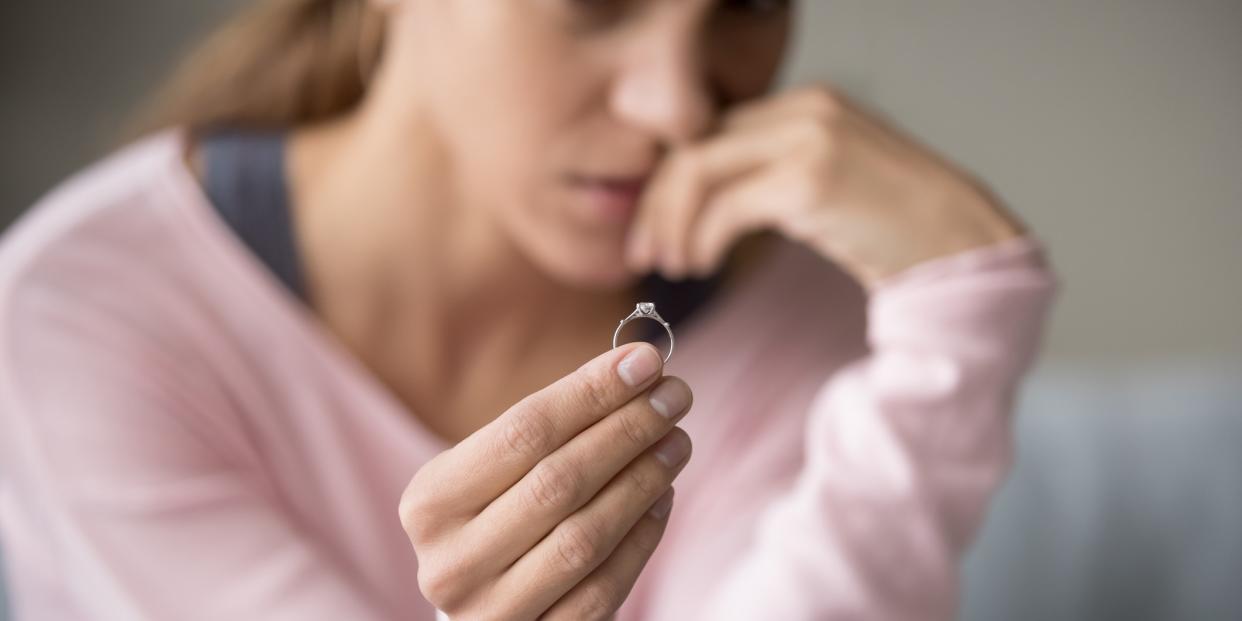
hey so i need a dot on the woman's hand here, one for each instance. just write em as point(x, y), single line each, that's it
point(552, 510)
point(817, 168)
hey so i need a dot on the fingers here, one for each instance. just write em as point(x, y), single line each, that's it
point(473, 473)
point(677, 192)
point(568, 478)
point(686, 184)
point(756, 202)
point(753, 136)
point(601, 593)
point(810, 101)
point(581, 542)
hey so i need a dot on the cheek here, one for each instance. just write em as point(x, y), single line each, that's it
point(512, 152)
point(504, 102)
point(507, 159)
point(507, 100)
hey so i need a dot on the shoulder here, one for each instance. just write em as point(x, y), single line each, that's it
point(94, 263)
point(100, 230)
point(102, 326)
point(99, 205)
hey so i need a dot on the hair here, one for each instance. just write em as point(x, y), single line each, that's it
point(282, 63)
point(277, 64)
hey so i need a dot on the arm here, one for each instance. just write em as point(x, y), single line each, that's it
point(131, 490)
point(905, 445)
point(904, 448)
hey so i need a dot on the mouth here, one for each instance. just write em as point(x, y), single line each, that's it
point(613, 198)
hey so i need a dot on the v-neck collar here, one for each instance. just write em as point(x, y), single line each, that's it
point(246, 271)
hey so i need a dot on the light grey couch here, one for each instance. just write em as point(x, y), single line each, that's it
point(1125, 502)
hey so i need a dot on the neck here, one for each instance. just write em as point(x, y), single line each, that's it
point(411, 277)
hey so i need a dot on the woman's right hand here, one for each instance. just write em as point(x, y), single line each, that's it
point(552, 510)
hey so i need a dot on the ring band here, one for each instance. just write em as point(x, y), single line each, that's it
point(646, 310)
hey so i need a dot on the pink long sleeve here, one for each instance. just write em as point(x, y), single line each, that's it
point(903, 447)
point(179, 438)
point(118, 450)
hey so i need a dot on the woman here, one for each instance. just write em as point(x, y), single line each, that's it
point(333, 340)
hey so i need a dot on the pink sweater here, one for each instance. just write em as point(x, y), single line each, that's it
point(181, 439)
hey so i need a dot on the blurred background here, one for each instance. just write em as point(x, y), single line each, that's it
point(1112, 127)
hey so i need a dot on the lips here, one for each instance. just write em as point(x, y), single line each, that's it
point(613, 198)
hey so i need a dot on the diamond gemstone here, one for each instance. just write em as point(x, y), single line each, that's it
point(646, 308)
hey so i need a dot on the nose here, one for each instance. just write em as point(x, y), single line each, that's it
point(663, 88)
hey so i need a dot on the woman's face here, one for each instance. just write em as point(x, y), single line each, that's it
point(555, 112)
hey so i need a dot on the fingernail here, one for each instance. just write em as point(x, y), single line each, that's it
point(672, 449)
point(639, 365)
point(662, 506)
point(669, 398)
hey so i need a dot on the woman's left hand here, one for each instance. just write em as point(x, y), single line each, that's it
point(817, 168)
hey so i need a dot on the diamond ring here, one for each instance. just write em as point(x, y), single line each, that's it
point(646, 310)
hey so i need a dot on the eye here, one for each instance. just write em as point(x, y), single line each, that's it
point(756, 7)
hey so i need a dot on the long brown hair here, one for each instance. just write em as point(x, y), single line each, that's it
point(276, 64)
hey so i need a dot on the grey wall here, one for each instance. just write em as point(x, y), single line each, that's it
point(70, 73)
point(1109, 125)
point(1113, 126)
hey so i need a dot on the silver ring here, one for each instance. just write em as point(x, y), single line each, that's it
point(646, 310)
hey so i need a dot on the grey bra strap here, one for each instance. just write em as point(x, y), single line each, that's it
point(245, 181)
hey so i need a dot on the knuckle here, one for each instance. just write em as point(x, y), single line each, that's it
point(412, 520)
point(822, 130)
point(553, 485)
point(633, 430)
point(577, 545)
point(440, 586)
point(824, 142)
point(826, 108)
point(645, 481)
point(529, 434)
point(823, 97)
point(432, 586)
point(595, 390)
point(414, 511)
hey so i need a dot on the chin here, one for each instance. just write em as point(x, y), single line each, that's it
point(591, 260)
point(592, 273)
point(602, 277)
